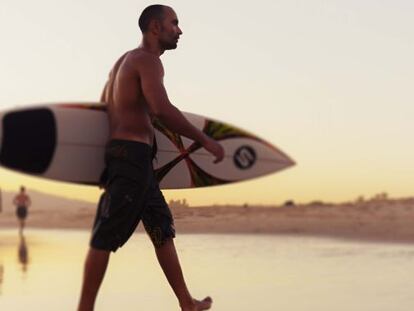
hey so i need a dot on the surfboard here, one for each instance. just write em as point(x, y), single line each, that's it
point(66, 141)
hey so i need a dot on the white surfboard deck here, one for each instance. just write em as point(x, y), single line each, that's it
point(66, 142)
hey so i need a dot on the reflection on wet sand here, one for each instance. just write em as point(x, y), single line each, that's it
point(249, 266)
point(23, 253)
point(1, 277)
point(23, 258)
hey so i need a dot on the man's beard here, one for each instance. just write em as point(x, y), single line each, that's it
point(167, 45)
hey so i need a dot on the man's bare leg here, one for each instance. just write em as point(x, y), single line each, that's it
point(21, 226)
point(95, 267)
point(169, 262)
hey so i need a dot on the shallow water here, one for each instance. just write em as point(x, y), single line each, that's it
point(43, 271)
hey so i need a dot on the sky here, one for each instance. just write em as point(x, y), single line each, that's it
point(327, 82)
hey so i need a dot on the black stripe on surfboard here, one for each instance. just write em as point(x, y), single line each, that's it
point(29, 140)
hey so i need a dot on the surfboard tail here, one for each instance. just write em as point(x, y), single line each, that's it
point(28, 140)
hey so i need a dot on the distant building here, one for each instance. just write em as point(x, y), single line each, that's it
point(383, 196)
point(178, 203)
point(289, 203)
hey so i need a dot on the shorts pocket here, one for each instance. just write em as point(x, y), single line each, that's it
point(139, 174)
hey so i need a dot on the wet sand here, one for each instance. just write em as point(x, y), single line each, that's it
point(376, 219)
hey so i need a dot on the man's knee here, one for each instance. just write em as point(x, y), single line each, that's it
point(96, 255)
point(159, 237)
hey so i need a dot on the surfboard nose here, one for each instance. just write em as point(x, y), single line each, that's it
point(28, 139)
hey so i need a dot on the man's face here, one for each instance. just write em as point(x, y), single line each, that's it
point(170, 32)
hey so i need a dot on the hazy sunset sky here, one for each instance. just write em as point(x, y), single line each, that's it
point(328, 82)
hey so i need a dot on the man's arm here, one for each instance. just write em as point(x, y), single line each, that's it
point(151, 75)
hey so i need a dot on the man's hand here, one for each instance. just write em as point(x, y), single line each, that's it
point(214, 148)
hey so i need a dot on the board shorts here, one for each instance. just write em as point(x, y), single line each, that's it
point(131, 194)
point(21, 212)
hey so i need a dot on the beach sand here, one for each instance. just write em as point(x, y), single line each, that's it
point(375, 219)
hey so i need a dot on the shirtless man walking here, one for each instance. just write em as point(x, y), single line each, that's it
point(135, 94)
point(22, 203)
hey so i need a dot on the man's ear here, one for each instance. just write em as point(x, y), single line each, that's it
point(155, 26)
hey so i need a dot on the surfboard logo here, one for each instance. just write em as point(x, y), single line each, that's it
point(244, 157)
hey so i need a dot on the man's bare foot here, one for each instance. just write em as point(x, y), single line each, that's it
point(199, 305)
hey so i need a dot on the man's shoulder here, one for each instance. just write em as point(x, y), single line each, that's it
point(141, 58)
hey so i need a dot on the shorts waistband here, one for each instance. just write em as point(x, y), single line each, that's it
point(126, 142)
point(130, 150)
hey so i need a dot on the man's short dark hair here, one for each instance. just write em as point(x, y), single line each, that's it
point(155, 11)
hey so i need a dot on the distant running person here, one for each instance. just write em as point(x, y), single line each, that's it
point(22, 203)
point(134, 95)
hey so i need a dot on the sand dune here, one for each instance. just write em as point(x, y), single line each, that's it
point(375, 219)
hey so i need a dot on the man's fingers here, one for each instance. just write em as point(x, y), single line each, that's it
point(217, 150)
point(219, 159)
